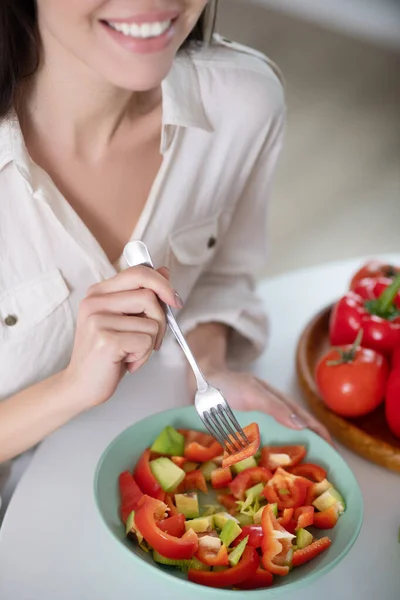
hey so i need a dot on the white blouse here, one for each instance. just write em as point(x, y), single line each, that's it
point(205, 218)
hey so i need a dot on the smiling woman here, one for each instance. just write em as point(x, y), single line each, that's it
point(109, 132)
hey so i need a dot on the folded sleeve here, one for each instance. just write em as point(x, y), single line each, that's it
point(226, 290)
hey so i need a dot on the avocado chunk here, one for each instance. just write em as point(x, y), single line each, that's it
point(169, 442)
point(237, 552)
point(303, 538)
point(329, 498)
point(247, 463)
point(170, 562)
point(244, 519)
point(207, 468)
point(168, 475)
point(229, 533)
point(321, 487)
point(221, 518)
point(187, 504)
point(201, 524)
point(255, 491)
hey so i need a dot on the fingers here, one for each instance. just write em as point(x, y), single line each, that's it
point(127, 324)
point(136, 278)
point(118, 345)
point(296, 417)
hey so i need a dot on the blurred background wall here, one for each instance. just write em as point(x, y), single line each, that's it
point(337, 189)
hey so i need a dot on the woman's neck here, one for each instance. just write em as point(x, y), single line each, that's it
point(71, 103)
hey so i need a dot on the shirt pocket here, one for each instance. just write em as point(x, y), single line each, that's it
point(191, 250)
point(36, 331)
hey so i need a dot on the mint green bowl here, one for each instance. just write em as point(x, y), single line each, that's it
point(125, 450)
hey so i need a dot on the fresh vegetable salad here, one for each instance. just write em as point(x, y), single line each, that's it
point(261, 521)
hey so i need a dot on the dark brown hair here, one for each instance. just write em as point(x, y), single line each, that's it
point(20, 47)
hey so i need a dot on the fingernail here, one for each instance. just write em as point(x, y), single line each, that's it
point(298, 421)
point(179, 301)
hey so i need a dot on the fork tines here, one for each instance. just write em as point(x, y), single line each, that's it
point(222, 424)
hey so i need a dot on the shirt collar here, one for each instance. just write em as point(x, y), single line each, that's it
point(182, 97)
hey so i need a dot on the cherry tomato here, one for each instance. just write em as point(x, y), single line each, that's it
point(352, 381)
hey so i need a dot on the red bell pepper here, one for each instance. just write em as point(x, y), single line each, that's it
point(326, 519)
point(145, 478)
point(271, 547)
point(252, 432)
point(174, 525)
point(195, 480)
point(254, 533)
point(392, 402)
point(396, 358)
point(148, 514)
point(304, 516)
point(309, 471)
point(228, 501)
point(286, 490)
point(286, 517)
point(374, 308)
point(295, 453)
point(213, 559)
point(169, 501)
point(200, 447)
point(247, 478)
point(245, 569)
point(130, 494)
point(221, 478)
point(372, 270)
point(306, 554)
point(260, 579)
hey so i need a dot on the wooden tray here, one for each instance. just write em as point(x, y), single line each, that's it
point(369, 435)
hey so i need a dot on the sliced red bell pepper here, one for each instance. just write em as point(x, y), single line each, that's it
point(195, 480)
point(200, 447)
point(372, 270)
point(295, 453)
point(392, 402)
point(130, 494)
point(247, 478)
point(326, 519)
point(286, 517)
point(254, 533)
point(169, 501)
point(228, 501)
point(374, 307)
point(221, 478)
point(309, 471)
point(286, 490)
point(396, 358)
point(306, 554)
point(148, 514)
point(245, 569)
point(304, 516)
point(174, 525)
point(213, 559)
point(252, 432)
point(271, 547)
point(145, 478)
point(260, 579)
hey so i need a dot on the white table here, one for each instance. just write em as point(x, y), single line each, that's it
point(52, 543)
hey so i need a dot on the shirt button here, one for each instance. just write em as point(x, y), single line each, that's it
point(211, 242)
point(11, 320)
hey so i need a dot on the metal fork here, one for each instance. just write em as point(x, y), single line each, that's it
point(210, 404)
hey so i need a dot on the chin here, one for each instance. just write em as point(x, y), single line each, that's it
point(140, 80)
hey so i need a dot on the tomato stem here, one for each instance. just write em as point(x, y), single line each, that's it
point(347, 356)
point(383, 306)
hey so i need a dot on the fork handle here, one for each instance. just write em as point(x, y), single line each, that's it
point(136, 253)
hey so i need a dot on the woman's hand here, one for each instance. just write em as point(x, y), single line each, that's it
point(120, 323)
point(244, 391)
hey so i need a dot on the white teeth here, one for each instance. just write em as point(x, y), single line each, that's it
point(144, 31)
